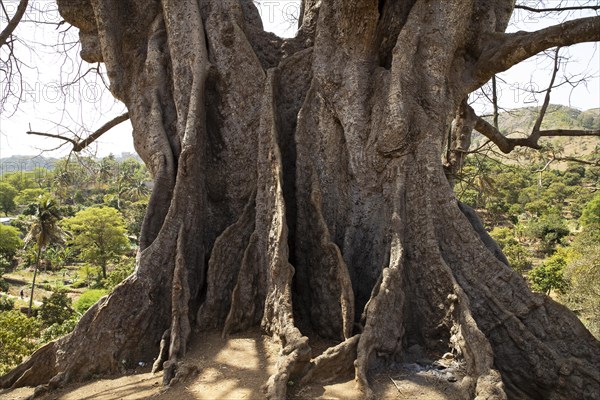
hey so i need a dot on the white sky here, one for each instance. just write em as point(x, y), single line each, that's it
point(48, 106)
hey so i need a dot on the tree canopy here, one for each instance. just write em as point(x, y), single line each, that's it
point(99, 234)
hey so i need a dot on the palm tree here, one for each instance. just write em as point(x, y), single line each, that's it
point(43, 231)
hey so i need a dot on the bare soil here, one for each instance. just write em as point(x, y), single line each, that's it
point(237, 368)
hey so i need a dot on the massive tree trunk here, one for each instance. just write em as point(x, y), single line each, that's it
point(299, 186)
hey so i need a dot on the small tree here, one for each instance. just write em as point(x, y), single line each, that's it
point(591, 212)
point(17, 338)
point(99, 233)
point(7, 197)
point(55, 309)
point(549, 275)
point(9, 242)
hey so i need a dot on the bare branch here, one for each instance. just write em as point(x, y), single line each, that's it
point(12, 24)
point(557, 9)
point(103, 129)
point(82, 144)
point(490, 132)
point(503, 50)
point(578, 160)
point(51, 135)
point(570, 132)
point(535, 133)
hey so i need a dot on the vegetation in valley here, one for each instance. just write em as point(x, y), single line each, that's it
point(74, 226)
point(543, 208)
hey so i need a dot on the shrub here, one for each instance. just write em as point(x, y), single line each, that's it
point(18, 338)
point(3, 284)
point(549, 229)
point(591, 213)
point(9, 241)
point(55, 309)
point(88, 299)
point(6, 303)
point(57, 330)
point(117, 275)
point(549, 275)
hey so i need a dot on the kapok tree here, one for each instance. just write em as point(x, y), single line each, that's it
point(299, 185)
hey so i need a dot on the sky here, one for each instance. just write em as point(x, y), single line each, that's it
point(54, 100)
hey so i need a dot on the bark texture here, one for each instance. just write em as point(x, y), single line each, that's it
point(299, 186)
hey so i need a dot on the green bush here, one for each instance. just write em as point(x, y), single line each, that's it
point(3, 284)
point(549, 275)
point(591, 212)
point(6, 303)
point(57, 330)
point(549, 230)
point(518, 257)
point(18, 338)
point(9, 241)
point(55, 309)
point(583, 273)
point(119, 273)
point(88, 299)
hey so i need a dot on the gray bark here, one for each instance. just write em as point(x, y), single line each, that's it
point(299, 186)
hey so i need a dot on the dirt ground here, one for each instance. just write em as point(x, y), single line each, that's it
point(239, 366)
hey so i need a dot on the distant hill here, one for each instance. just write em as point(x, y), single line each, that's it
point(25, 163)
point(29, 163)
point(519, 122)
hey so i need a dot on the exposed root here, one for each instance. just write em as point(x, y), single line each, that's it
point(37, 369)
point(335, 362)
point(163, 353)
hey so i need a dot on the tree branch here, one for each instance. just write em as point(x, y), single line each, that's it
point(503, 50)
point(13, 22)
point(535, 132)
point(570, 132)
point(506, 145)
point(557, 9)
point(82, 144)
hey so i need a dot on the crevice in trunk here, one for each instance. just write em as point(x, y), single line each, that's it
point(392, 17)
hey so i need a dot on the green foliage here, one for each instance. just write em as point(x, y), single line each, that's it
point(9, 241)
point(99, 234)
point(517, 255)
point(583, 273)
point(88, 299)
point(591, 213)
point(29, 196)
point(44, 228)
point(88, 276)
point(134, 215)
point(549, 275)
point(7, 197)
point(119, 273)
point(6, 303)
point(18, 338)
point(57, 330)
point(549, 229)
point(55, 309)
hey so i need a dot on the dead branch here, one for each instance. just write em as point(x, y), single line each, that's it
point(13, 22)
point(82, 144)
point(557, 9)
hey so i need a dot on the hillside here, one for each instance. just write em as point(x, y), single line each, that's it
point(25, 163)
point(519, 122)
